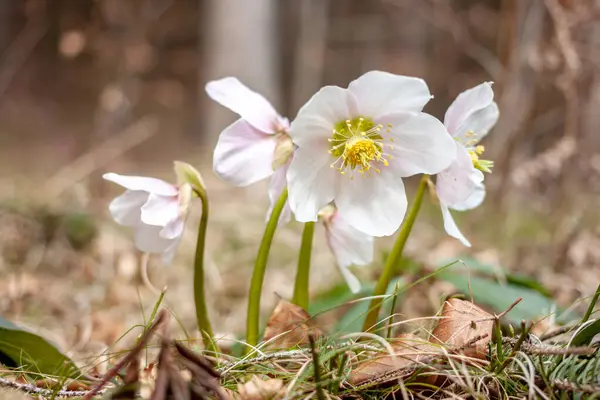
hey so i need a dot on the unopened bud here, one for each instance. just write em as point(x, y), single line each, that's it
point(190, 175)
point(283, 151)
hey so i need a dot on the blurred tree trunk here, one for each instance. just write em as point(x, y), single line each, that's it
point(241, 40)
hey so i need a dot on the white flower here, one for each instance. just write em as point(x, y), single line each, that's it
point(355, 145)
point(255, 146)
point(155, 209)
point(348, 245)
point(460, 187)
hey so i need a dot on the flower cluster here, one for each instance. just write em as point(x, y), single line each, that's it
point(342, 159)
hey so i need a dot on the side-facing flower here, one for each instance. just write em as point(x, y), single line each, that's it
point(156, 210)
point(355, 145)
point(460, 187)
point(348, 245)
point(255, 146)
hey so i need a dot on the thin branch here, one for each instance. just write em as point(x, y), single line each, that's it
point(49, 393)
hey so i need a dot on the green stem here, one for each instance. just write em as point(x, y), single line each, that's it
point(199, 295)
point(259, 273)
point(394, 258)
point(302, 275)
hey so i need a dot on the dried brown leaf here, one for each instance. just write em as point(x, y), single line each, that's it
point(409, 350)
point(461, 324)
point(258, 389)
point(291, 326)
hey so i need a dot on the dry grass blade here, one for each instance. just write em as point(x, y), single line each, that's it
point(408, 350)
point(289, 326)
point(461, 323)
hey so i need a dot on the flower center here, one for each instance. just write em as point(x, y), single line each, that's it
point(358, 144)
point(476, 151)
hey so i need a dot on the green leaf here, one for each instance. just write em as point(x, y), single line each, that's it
point(32, 353)
point(353, 320)
point(585, 336)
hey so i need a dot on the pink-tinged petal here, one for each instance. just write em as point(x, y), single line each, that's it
point(473, 201)
point(316, 119)
point(173, 229)
point(249, 105)
point(480, 123)
point(380, 93)
point(150, 185)
point(450, 225)
point(312, 183)
point(169, 254)
point(276, 186)
point(421, 144)
point(243, 155)
point(466, 104)
point(349, 245)
point(160, 210)
point(456, 183)
point(126, 209)
point(147, 238)
point(375, 204)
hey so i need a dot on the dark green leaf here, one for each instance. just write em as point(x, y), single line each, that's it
point(32, 353)
point(585, 336)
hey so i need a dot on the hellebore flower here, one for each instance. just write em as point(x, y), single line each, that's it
point(460, 187)
point(255, 146)
point(156, 210)
point(355, 145)
point(348, 245)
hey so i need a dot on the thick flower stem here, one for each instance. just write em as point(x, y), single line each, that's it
point(259, 273)
point(303, 274)
point(199, 294)
point(393, 259)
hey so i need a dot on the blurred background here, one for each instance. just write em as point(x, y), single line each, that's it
point(91, 86)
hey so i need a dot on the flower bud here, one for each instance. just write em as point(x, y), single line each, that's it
point(283, 151)
point(190, 175)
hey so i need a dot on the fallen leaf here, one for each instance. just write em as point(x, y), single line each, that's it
point(290, 325)
point(409, 350)
point(258, 389)
point(461, 324)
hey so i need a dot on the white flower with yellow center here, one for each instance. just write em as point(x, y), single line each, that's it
point(355, 145)
point(460, 187)
point(254, 147)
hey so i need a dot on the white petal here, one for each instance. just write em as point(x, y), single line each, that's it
point(311, 182)
point(243, 155)
point(317, 118)
point(126, 209)
point(147, 238)
point(464, 115)
point(480, 122)
point(450, 225)
point(374, 204)
point(249, 105)
point(276, 186)
point(160, 210)
point(151, 185)
point(351, 279)
point(169, 254)
point(349, 245)
point(472, 201)
point(380, 93)
point(421, 144)
point(173, 229)
point(456, 183)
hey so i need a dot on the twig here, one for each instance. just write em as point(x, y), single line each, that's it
point(162, 315)
point(575, 387)
point(503, 313)
point(316, 367)
point(528, 348)
point(556, 332)
point(32, 389)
